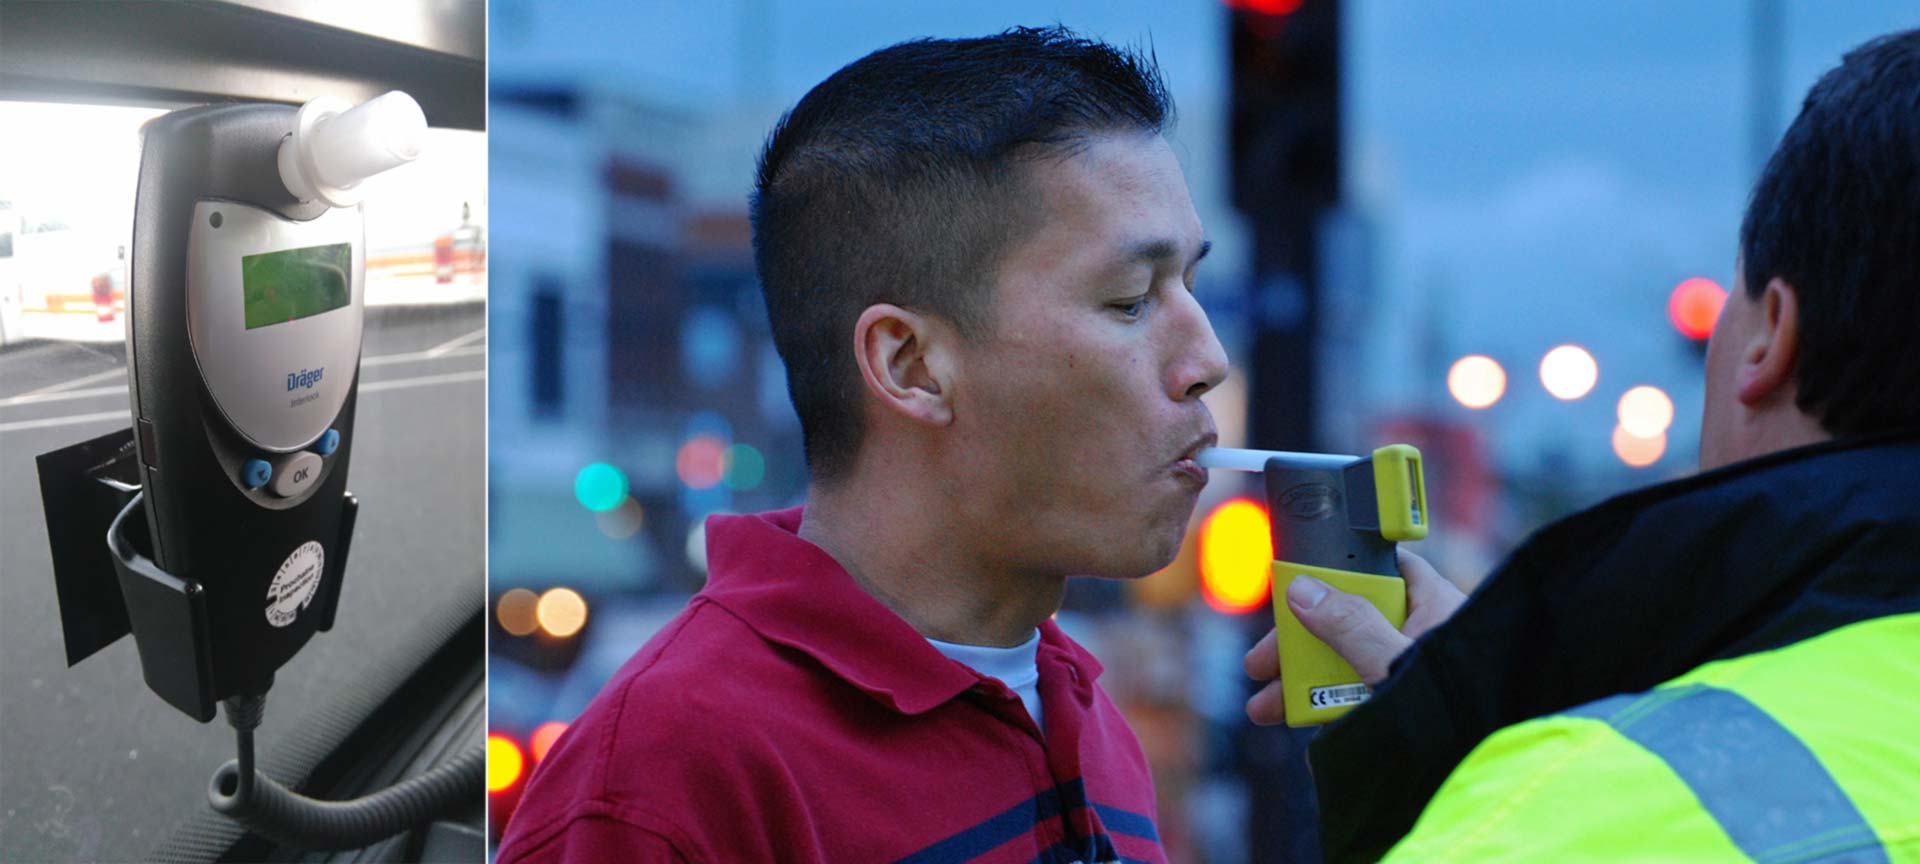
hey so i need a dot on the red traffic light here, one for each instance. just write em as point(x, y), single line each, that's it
point(1267, 7)
point(1695, 305)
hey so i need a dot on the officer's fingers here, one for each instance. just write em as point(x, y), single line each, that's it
point(1348, 624)
point(1263, 661)
point(1431, 599)
point(1418, 572)
point(1268, 707)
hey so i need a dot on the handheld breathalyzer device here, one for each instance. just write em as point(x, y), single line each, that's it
point(1337, 519)
point(248, 306)
point(244, 335)
point(230, 516)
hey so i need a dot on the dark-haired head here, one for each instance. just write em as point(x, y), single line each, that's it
point(1836, 217)
point(899, 180)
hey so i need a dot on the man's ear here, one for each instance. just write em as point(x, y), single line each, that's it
point(1767, 360)
point(906, 360)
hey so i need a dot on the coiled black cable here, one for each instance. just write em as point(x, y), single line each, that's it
point(287, 817)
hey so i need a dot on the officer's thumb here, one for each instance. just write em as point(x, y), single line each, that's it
point(1348, 624)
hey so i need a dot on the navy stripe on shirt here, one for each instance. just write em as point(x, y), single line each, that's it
point(997, 829)
point(1074, 796)
point(1021, 818)
point(1126, 822)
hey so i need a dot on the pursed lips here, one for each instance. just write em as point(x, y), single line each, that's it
point(1186, 468)
point(1204, 441)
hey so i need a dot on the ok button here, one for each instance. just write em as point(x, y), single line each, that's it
point(294, 477)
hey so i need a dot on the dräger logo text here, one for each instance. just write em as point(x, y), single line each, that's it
point(304, 378)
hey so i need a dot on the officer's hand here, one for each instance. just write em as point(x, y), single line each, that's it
point(1353, 628)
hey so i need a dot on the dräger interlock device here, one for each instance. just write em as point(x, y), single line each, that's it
point(243, 346)
point(1337, 519)
point(249, 257)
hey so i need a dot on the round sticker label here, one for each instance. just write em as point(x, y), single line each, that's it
point(296, 583)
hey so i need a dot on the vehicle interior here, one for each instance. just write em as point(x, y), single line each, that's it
point(92, 765)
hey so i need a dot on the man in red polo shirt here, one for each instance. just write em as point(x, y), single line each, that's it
point(978, 257)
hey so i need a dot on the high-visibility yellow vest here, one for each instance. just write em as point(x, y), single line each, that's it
point(1809, 752)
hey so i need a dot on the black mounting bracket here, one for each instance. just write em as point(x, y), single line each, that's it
point(90, 492)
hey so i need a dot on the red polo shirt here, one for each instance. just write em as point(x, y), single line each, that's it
point(786, 715)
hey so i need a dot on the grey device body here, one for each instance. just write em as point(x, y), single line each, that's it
point(1325, 512)
point(215, 390)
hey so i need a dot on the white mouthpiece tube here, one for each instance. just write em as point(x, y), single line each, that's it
point(333, 147)
point(1232, 459)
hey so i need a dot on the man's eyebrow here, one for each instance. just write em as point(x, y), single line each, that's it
point(1157, 251)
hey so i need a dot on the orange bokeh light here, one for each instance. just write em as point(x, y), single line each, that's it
point(1236, 557)
point(1569, 372)
point(1476, 381)
point(543, 737)
point(561, 612)
point(702, 462)
point(1638, 452)
point(1645, 412)
point(1695, 305)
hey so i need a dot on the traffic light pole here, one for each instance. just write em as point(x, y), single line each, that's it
point(1286, 176)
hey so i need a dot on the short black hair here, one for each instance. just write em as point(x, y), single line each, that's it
point(1836, 214)
point(899, 180)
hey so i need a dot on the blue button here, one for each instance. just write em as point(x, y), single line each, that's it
point(327, 443)
point(256, 473)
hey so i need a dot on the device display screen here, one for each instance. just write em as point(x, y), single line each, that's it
point(295, 283)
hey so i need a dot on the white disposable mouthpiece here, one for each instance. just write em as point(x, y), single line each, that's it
point(335, 146)
point(1232, 459)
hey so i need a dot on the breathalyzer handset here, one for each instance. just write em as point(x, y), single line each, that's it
point(244, 352)
point(247, 309)
point(1337, 519)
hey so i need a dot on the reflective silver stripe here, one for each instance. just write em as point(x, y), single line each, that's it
point(1765, 788)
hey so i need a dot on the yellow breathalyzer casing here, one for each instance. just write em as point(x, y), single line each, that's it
point(1338, 519)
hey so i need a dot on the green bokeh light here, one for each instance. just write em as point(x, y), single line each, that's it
point(600, 487)
point(745, 467)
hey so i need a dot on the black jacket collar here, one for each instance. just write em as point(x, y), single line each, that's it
point(1622, 597)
